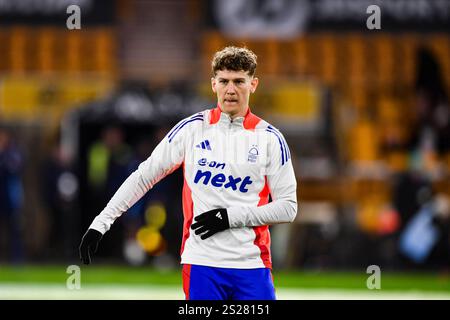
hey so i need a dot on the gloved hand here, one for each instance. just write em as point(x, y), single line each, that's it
point(89, 245)
point(210, 222)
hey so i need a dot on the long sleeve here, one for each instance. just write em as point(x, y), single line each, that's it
point(283, 189)
point(167, 157)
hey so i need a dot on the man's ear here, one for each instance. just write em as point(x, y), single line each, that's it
point(213, 84)
point(254, 83)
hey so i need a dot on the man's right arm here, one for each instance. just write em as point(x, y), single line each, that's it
point(166, 158)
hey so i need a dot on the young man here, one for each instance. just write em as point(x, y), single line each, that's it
point(232, 162)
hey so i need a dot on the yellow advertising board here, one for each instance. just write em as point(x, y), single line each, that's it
point(30, 98)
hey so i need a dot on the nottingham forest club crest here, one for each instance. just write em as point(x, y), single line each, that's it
point(253, 154)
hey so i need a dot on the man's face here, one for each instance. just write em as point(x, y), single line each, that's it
point(233, 90)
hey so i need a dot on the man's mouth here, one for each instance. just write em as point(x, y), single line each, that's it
point(230, 100)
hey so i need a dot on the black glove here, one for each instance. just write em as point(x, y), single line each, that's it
point(89, 245)
point(211, 222)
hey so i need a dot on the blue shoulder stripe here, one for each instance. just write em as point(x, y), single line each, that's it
point(286, 147)
point(175, 131)
point(281, 146)
point(285, 152)
point(183, 121)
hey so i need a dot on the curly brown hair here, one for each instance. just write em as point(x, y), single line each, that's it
point(235, 59)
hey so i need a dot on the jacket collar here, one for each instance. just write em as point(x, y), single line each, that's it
point(248, 122)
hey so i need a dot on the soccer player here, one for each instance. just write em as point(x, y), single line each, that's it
point(232, 161)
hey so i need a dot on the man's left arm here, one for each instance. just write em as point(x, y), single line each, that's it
point(283, 190)
point(283, 208)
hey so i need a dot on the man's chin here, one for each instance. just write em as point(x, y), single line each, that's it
point(230, 109)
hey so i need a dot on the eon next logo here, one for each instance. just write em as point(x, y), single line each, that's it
point(220, 180)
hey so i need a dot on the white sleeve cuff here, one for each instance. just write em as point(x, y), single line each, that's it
point(235, 217)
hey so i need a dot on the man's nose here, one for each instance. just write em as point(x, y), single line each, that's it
point(230, 89)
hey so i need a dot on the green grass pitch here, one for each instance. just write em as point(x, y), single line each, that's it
point(124, 282)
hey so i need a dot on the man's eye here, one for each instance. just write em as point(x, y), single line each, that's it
point(222, 81)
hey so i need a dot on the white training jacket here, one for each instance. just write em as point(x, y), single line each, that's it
point(232, 164)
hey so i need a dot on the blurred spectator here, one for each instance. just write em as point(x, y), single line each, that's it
point(134, 218)
point(11, 196)
point(164, 196)
point(431, 135)
point(108, 160)
point(429, 143)
point(440, 255)
point(60, 197)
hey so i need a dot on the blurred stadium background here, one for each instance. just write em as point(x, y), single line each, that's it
point(365, 113)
